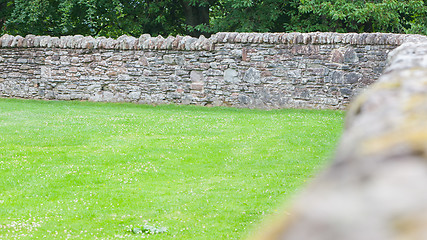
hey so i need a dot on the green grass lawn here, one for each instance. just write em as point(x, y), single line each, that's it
point(84, 170)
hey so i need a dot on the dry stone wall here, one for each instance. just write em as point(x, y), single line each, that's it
point(255, 70)
point(376, 186)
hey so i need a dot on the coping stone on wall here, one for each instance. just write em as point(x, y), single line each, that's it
point(124, 42)
point(187, 43)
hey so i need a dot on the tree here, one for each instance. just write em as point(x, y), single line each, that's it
point(196, 15)
point(107, 17)
point(113, 18)
point(399, 16)
point(6, 7)
point(249, 15)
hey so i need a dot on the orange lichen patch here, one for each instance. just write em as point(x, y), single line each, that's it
point(275, 227)
point(358, 103)
point(413, 137)
point(387, 85)
point(415, 102)
point(410, 227)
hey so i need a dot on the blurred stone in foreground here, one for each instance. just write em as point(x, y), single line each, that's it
point(376, 188)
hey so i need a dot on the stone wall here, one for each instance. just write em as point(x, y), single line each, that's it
point(376, 186)
point(255, 70)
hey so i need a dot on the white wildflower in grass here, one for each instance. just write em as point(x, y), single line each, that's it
point(79, 170)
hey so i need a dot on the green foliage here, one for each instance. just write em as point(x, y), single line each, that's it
point(399, 16)
point(195, 17)
point(6, 7)
point(93, 17)
point(248, 15)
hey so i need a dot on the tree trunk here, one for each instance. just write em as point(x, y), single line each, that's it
point(195, 15)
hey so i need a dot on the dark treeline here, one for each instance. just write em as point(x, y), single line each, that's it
point(113, 18)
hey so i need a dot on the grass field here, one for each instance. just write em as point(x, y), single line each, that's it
point(84, 170)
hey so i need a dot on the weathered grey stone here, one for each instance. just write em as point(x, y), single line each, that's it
point(258, 37)
point(159, 40)
point(182, 42)
point(344, 55)
point(29, 41)
point(145, 43)
point(208, 45)
point(336, 77)
point(46, 72)
point(142, 39)
point(219, 37)
point(123, 43)
point(96, 97)
point(350, 56)
point(197, 86)
point(44, 40)
point(345, 92)
point(231, 76)
point(225, 37)
point(294, 74)
point(101, 43)
point(306, 38)
point(228, 61)
point(404, 56)
point(337, 56)
point(17, 41)
point(236, 53)
point(281, 71)
point(337, 38)
point(330, 101)
point(86, 42)
point(6, 40)
point(351, 78)
point(252, 76)
point(22, 60)
point(244, 37)
point(124, 77)
point(108, 96)
point(60, 45)
point(199, 42)
point(167, 43)
point(190, 43)
point(196, 76)
point(134, 96)
point(54, 42)
point(14, 75)
point(231, 37)
point(74, 42)
point(169, 59)
point(180, 60)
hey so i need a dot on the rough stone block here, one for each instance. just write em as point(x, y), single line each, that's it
point(337, 56)
point(352, 78)
point(197, 86)
point(252, 76)
point(196, 76)
point(134, 96)
point(231, 76)
point(169, 59)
